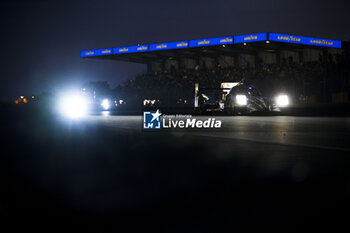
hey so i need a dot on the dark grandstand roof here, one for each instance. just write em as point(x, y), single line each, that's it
point(211, 47)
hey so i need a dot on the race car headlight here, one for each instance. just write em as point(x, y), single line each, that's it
point(105, 104)
point(282, 100)
point(73, 105)
point(241, 99)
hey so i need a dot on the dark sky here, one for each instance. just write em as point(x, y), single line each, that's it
point(41, 40)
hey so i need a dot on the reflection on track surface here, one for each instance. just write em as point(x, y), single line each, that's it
point(317, 132)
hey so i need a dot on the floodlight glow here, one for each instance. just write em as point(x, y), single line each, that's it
point(282, 100)
point(241, 99)
point(74, 105)
point(105, 104)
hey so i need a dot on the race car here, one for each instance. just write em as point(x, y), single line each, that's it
point(210, 100)
point(245, 99)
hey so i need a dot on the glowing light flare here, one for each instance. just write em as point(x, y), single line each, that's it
point(282, 100)
point(74, 105)
point(105, 104)
point(241, 99)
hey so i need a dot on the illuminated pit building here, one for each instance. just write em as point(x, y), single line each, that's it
point(268, 48)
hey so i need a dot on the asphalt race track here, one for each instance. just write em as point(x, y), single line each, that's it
point(104, 173)
point(332, 133)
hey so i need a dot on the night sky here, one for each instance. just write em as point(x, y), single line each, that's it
point(41, 40)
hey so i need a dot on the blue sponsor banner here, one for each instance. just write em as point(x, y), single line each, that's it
point(88, 53)
point(304, 40)
point(100, 52)
point(130, 49)
point(250, 38)
point(170, 45)
point(211, 41)
point(96, 52)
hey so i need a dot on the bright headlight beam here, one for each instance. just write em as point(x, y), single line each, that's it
point(105, 104)
point(241, 99)
point(74, 105)
point(282, 100)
